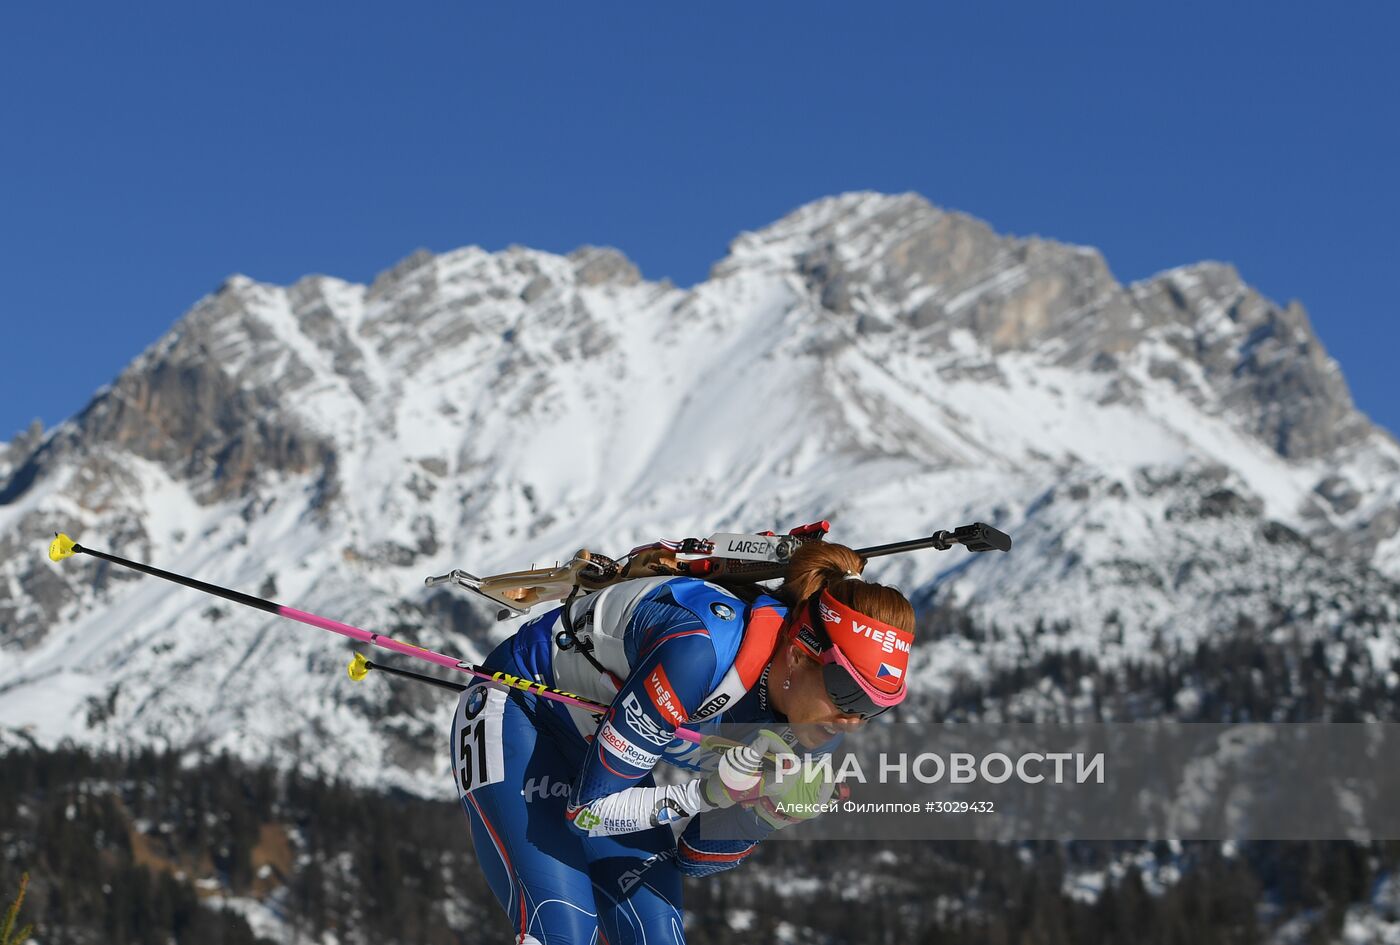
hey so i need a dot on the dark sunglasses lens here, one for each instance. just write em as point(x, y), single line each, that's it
point(846, 694)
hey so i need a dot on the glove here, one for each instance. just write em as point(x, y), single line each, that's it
point(802, 794)
point(739, 779)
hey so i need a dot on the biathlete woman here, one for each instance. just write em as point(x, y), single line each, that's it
point(577, 839)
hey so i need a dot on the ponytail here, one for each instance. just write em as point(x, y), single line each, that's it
point(824, 565)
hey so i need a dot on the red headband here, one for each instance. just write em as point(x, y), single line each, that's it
point(874, 653)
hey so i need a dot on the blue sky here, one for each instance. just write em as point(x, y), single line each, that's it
point(149, 150)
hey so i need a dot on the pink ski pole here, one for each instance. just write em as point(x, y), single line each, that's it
point(64, 547)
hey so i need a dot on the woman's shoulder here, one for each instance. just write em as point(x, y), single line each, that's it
point(705, 598)
point(717, 604)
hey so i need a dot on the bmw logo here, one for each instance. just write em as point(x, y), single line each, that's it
point(475, 700)
point(666, 811)
point(722, 611)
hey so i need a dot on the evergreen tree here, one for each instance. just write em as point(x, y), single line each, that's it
point(8, 934)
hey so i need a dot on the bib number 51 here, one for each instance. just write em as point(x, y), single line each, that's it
point(476, 738)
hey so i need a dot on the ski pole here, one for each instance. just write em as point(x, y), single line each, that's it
point(359, 668)
point(63, 547)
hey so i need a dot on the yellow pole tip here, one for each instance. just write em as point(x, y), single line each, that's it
point(61, 547)
point(358, 668)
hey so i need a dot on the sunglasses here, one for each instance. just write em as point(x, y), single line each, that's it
point(848, 690)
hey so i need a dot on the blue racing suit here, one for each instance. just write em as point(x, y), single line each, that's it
point(574, 833)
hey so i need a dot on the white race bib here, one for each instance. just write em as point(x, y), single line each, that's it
point(477, 737)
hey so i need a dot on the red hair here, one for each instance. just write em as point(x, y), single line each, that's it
point(820, 564)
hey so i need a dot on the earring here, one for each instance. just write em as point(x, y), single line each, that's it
point(787, 683)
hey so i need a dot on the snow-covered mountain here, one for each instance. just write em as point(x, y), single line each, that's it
point(1169, 456)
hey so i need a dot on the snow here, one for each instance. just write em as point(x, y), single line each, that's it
point(263, 919)
point(511, 432)
point(48, 712)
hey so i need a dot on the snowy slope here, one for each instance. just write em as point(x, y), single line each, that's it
point(1174, 453)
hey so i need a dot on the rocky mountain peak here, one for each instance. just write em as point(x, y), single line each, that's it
point(869, 359)
point(597, 265)
point(896, 263)
point(1260, 361)
point(900, 263)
